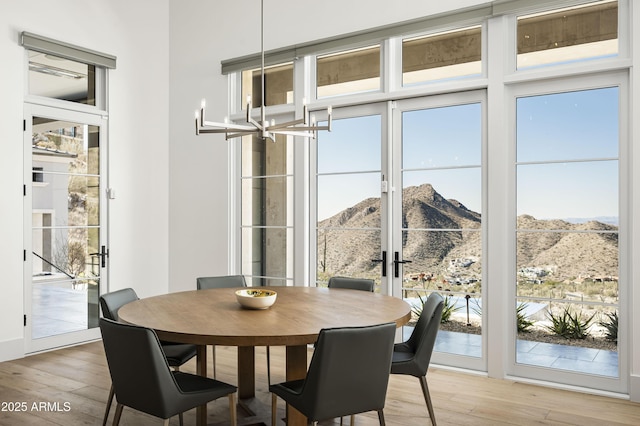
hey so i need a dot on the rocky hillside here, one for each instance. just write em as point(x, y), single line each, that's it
point(455, 251)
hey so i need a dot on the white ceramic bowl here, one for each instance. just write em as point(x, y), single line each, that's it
point(256, 298)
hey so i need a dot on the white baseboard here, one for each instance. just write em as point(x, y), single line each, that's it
point(634, 388)
point(11, 349)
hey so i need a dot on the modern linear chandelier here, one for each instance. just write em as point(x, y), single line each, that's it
point(263, 129)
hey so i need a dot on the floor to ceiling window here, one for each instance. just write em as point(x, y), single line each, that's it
point(398, 190)
point(567, 230)
point(266, 186)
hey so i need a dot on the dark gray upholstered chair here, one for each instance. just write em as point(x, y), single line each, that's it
point(413, 356)
point(143, 380)
point(348, 374)
point(176, 353)
point(351, 283)
point(362, 284)
point(225, 281)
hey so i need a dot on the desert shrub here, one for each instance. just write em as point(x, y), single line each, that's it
point(447, 309)
point(570, 325)
point(523, 321)
point(611, 326)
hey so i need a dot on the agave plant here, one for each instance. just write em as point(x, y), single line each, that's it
point(611, 325)
point(523, 321)
point(570, 325)
point(448, 308)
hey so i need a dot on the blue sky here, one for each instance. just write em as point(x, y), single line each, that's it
point(576, 131)
point(577, 127)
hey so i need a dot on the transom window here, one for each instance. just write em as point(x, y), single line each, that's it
point(568, 35)
point(442, 56)
point(353, 71)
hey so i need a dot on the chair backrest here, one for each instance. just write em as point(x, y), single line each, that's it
point(349, 371)
point(225, 281)
point(139, 371)
point(423, 337)
point(351, 283)
point(112, 302)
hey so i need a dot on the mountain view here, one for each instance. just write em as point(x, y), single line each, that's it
point(454, 254)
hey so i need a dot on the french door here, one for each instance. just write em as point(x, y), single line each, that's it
point(399, 200)
point(65, 237)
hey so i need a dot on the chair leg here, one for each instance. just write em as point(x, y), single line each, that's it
point(213, 355)
point(232, 409)
point(268, 366)
point(166, 422)
point(427, 398)
point(274, 408)
point(180, 417)
point(381, 417)
point(117, 414)
point(109, 402)
point(353, 420)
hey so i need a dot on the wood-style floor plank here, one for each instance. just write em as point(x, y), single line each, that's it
point(70, 387)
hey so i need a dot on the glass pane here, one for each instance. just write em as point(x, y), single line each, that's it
point(278, 85)
point(442, 137)
point(442, 260)
point(270, 282)
point(65, 147)
point(63, 306)
point(353, 71)
point(347, 252)
point(266, 158)
point(574, 337)
point(342, 197)
point(567, 191)
point(568, 126)
point(267, 252)
point(568, 35)
point(267, 201)
point(452, 190)
point(354, 144)
point(61, 78)
point(580, 265)
point(442, 56)
point(65, 220)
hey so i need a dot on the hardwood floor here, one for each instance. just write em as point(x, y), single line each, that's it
point(70, 386)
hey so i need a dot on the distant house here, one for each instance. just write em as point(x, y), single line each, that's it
point(50, 181)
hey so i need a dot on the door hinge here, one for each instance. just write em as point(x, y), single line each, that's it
point(24, 190)
point(24, 255)
point(25, 320)
point(24, 125)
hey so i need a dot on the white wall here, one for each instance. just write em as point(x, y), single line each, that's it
point(137, 33)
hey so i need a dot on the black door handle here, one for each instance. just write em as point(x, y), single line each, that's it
point(384, 263)
point(104, 253)
point(396, 264)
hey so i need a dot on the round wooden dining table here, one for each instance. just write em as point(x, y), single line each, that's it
point(214, 317)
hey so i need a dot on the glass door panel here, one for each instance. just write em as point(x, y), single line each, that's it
point(438, 219)
point(350, 209)
point(67, 252)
